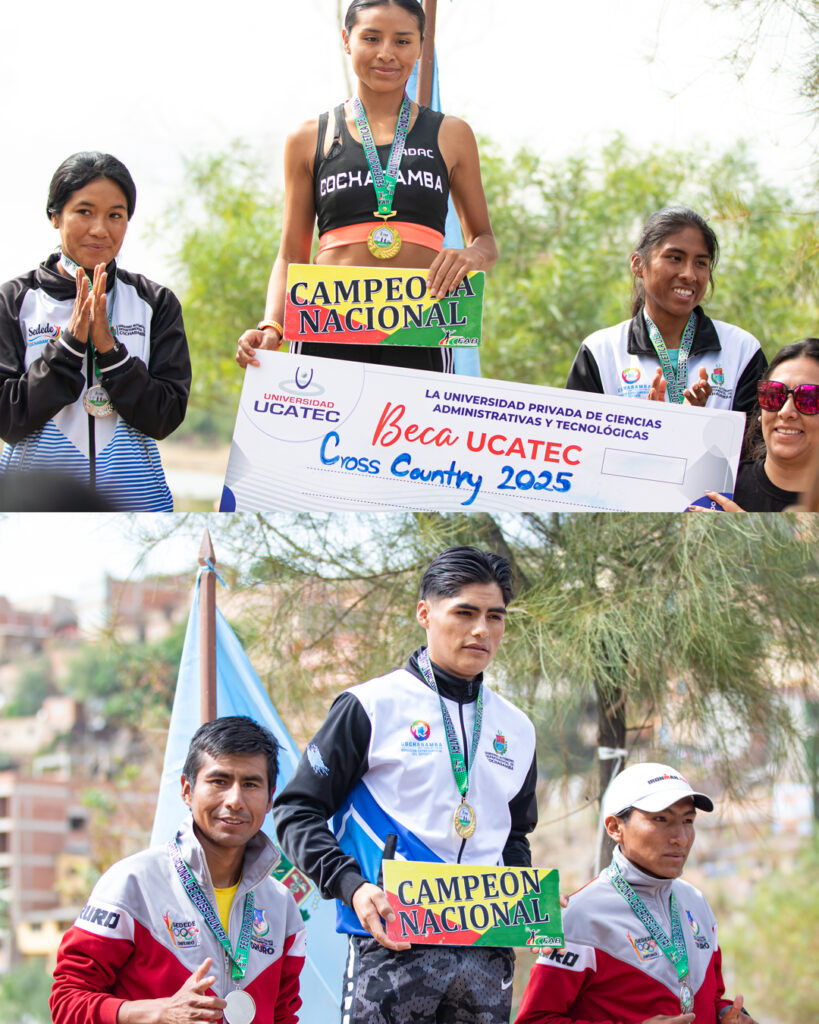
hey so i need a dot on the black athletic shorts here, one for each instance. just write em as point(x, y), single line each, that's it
point(427, 984)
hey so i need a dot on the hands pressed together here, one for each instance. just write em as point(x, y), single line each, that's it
point(90, 312)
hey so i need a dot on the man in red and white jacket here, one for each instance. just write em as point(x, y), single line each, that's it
point(146, 948)
point(613, 969)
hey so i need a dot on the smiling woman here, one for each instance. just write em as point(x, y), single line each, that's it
point(94, 360)
point(782, 439)
point(375, 174)
point(669, 341)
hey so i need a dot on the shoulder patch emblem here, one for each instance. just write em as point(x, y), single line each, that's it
point(316, 760)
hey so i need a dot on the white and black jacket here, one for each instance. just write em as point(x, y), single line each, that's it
point(380, 766)
point(44, 373)
point(621, 360)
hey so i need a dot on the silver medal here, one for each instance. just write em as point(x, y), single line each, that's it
point(686, 997)
point(97, 402)
point(240, 1007)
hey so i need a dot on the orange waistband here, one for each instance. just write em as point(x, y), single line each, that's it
point(418, 234)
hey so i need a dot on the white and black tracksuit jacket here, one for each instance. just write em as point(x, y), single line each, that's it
point(621, 360)
point(380, 766)
point(45, 371)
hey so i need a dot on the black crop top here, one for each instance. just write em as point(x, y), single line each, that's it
point(343, 187)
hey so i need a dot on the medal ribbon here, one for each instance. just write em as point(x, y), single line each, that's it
point(241, 955)
point(676, 381)
point(384, 181)
point(673, 948)
point(459, 768)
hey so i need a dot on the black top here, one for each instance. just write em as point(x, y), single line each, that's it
point(755, 492)
point(344, 192)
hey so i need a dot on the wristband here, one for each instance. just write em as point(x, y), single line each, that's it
point(262, 324)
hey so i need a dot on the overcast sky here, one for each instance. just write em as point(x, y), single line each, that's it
point(155, 81)
point(69, 554)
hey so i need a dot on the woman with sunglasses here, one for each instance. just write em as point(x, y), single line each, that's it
point(332, 162)
point(782, 439)
point(670, 350)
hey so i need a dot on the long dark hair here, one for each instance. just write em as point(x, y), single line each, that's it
point(79, 170)
point(754, 442)
point(412, 7)
point(657, 228)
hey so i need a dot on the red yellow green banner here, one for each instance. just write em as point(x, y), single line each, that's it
point(380, 306)
point(466, 905)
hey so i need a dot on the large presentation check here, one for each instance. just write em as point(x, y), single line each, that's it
point(328, 435)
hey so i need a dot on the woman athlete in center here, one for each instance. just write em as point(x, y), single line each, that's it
point(328, 178)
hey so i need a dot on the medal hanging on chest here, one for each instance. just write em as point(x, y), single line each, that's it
point(96, 401)
point(673, 949)
point(464, 819)
point(384, 241)
point(240, 1009)
point(676, 380)
point(686, 997)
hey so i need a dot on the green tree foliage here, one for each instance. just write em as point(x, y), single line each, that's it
point(774, 941)
point(228, 223)
point(24, 995)
point(566, 231)
point(33, 686)
point(651, 614)
point(133, 683)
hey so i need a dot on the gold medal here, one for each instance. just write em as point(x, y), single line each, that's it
point(384, 242)
point(465, 820)
point(686, 996)
point(96, 402)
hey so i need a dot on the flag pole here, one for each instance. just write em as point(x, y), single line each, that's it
point(426, 64)
point(207, 631)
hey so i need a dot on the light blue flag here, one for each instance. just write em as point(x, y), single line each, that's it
point(240, 692)
point(467, 360)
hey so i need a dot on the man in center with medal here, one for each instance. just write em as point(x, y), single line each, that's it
point(641, 945)
point(195, 929)
point(428, 763)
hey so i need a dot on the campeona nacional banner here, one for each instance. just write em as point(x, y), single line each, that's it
point(465, 905)
point(331, 435)
point(380, 306)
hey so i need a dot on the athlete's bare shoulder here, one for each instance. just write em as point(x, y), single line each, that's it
point(304, 135)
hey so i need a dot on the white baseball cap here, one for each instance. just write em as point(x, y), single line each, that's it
point(650, 787)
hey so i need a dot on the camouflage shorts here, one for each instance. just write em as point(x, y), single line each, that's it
point(427, 984)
